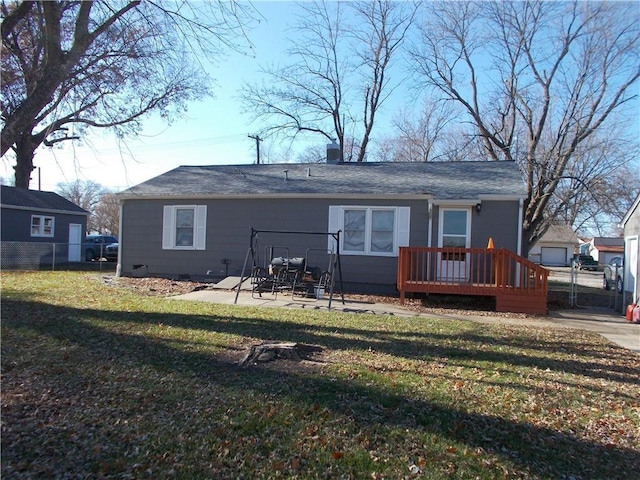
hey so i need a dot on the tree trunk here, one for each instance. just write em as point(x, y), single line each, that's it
point(25, 149)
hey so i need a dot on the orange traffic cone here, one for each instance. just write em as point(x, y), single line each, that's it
point(490, 244)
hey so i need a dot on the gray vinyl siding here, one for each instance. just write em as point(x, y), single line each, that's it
point(497, 220)
point(632, 227)
point(229, 223)
point(16, 225)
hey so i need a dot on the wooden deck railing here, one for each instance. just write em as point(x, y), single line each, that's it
point(472, 271)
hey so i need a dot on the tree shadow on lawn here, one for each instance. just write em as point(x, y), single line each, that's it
point(540, 451)
point(478, 340)
point(620, 365)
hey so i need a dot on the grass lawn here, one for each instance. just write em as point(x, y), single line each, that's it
point(101, 382)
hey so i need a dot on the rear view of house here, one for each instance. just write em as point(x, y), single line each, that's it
point(196, 221)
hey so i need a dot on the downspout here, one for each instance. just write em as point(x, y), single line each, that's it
point(429, 223)
point(520, 210)
point(519, 239)
point(119, 266)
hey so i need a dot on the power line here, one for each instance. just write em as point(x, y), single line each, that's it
point(182, 144)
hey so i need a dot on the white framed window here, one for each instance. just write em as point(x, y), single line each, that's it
point(42, 226)
point(375, 231)
point(184, 227)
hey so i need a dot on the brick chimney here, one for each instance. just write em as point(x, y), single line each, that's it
point(333, 152)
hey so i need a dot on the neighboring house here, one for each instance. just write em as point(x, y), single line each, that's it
point(556, 247)
point(197, 220)
point(631, 225)
point(33, 222)
point(603, 249)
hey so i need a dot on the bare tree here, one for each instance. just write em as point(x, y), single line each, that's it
point(458, 143)
point(87, 195)
point(336, 70)
point(537, 80)
point(420, 136)
point(69, 66)
point(276, 152)
point(597, 207)
point(313, 154)
point(384, 26)
point(307, 94)
point(106, 215)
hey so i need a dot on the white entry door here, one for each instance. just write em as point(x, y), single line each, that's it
point(454, 231)
point(75, 242)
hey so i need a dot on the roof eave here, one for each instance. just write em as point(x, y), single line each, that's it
point(422, 196)
point(634, 205)
point(45, 210)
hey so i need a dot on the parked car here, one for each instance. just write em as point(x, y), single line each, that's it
point(111, 252)
point(613, 274)
point(585, 262)
point(94, 246)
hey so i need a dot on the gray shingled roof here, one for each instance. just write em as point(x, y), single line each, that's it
point(559, 234)
point(608, 241)
point(442, 180)
point(36, 200)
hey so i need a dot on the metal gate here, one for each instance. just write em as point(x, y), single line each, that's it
point(579, 299)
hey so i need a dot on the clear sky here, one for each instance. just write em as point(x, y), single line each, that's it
point(214, 132)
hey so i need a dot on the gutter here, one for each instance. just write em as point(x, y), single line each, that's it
point(520, 219)
point(119, 265)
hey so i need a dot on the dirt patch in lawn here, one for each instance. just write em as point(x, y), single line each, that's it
point(308, 361)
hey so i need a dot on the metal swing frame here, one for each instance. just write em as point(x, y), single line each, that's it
point(262, 279)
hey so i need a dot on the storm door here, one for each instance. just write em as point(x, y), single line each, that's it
point(454, 231)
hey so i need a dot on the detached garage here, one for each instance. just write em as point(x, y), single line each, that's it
point(556, 247)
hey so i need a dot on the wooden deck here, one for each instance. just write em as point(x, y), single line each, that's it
point(518, 284)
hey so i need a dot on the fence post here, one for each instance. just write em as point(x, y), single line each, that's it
point(53, 261)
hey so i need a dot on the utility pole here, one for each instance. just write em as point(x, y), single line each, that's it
point(258, 140)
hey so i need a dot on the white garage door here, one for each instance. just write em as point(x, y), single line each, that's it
point(553, 256)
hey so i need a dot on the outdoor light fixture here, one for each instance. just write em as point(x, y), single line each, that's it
point(478, 208)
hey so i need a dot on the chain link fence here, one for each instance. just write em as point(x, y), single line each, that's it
point(49, 256)
point(586, 290)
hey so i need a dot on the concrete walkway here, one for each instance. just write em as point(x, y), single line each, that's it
point(606, 322)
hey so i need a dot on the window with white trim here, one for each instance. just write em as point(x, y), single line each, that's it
point(184, 227)
point(375, 231)
point(42, 226)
